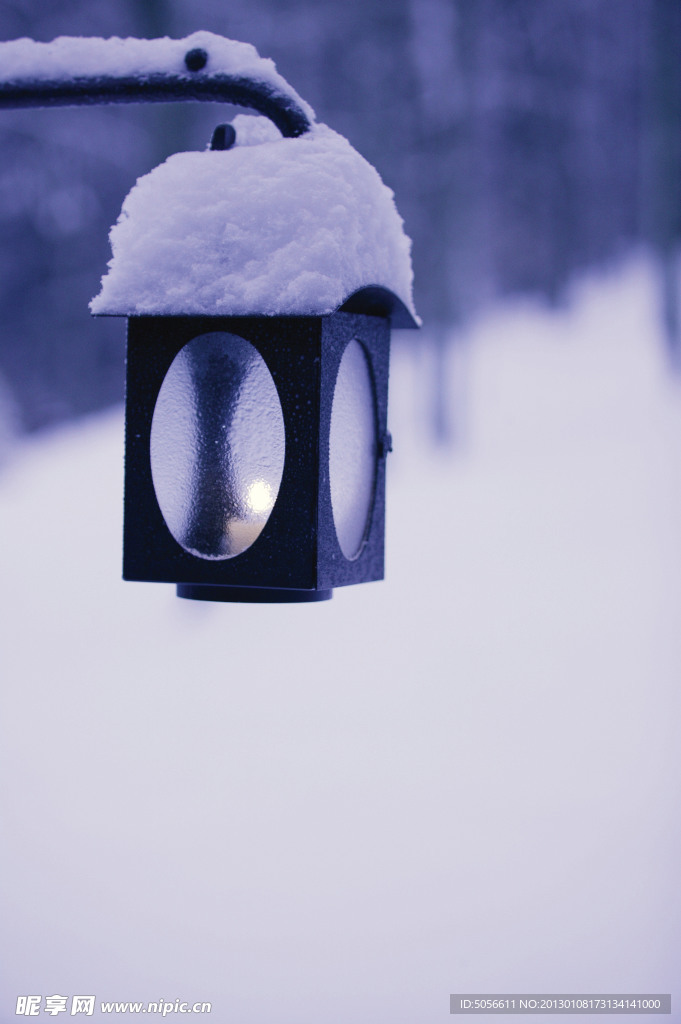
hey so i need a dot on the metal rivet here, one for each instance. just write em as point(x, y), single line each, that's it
point(224, 137)
point(196, 59)
point(385, 445)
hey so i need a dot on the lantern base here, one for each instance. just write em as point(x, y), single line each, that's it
point(251, 595)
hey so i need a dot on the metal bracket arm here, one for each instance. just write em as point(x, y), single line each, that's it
point(159, 87)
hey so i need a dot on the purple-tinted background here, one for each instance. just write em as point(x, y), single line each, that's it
point(464, 778)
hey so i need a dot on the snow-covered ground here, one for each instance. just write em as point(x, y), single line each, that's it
point(463, 779)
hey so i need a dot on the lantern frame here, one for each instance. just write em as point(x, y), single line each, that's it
point(297, 555)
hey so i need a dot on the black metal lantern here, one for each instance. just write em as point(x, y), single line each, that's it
point(260, 279)
point(255, 454)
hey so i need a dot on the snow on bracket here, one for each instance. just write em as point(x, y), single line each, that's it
point(292, 225)
point(75, 71)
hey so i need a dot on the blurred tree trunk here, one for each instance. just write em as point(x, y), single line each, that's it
point(663, 163)
point(170, 123)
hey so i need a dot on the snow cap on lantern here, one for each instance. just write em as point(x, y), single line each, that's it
point(273, 226)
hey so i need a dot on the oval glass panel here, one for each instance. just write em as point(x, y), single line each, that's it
point(352, 449)
point(217, 445)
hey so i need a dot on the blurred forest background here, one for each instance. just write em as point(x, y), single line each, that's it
point(526, 141)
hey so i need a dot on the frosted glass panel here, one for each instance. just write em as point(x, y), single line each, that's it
point(352, 449)
point(217, 446)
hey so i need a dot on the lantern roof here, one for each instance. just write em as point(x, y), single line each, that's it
point(273, 226)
